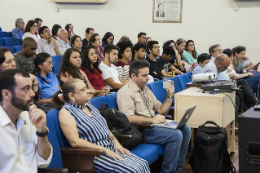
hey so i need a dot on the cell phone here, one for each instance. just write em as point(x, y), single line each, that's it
point(167, 85)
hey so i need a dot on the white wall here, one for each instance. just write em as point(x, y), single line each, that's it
point(205, 21)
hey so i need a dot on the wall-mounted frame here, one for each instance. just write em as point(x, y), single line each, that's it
point(167, 11)
point(80, 1)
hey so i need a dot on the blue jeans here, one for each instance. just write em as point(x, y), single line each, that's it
point(253, 82)
point(176, 143)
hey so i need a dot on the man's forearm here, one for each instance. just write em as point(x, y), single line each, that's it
point(165, 107)
point(43, 147)
point(134, 119)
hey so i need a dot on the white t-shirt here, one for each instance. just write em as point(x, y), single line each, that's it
point(108, 72)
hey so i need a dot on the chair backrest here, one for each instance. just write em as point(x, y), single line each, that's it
point(112, 97)
point(97, 101)
point(158, 90)
point(57, 63)
point(56, 161)
point(4, 34)
point(1, 42)
point(10, 41)
point(184, 79)
point(10, 48)
point(10, 34)
point(17, 48)
point(0, 29)
point(189, 75)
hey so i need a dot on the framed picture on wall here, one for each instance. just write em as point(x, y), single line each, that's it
point(167, 11)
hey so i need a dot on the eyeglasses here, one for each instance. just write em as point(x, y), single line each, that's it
point(49, 63)
point(218, 50)
point(47, 30)
point(192, 45)
point(98, 39)
point(21, 22)
point(36, 26)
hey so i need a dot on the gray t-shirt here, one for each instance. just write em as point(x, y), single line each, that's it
point(24, 63)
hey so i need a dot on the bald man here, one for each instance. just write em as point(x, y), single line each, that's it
point(62, 43)
point(25, 58)
point(217, 66)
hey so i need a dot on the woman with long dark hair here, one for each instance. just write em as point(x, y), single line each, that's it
point(190, 55)
point(84, 127)
point(47, 80)
point(90, 67)
point(76, 42)
point(70, 68)
point(108, 38)
point(31, 30)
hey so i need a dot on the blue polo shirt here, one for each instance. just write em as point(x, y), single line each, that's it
point(48, 89)
point(16, 33)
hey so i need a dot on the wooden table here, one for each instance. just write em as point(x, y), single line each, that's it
point(210, 107)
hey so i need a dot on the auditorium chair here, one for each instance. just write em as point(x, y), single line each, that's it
point(17, 48)
point(0, 29)
point(10, 48)
point(1, 43)
point(57, 63)
point(76, 160)
point(10, 41)
point(4, 34)
point(184, 79)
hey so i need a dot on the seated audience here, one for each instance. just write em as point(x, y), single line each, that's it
point(25, 58)
point(180, 46)
point(109, 71)
point(163, 61)
point(31, 30)
point(69, 28)
point(202, 59)
point(45, 44)
point(62, 43)
point(154, 51)
point(191, 54)
point(39, 22)
point(148, 39)
point(108, 38)
point(139, 104)
point(54, 31)
point(95, 41)
point(124, 38)
point(21, 150)
point(18, 31)
point(214, 51)
point(175, 61)
point(90, 67)
point(89, 32)
point(47, 80)
point(139, 51)
point(125, 57)
point(249, 65)
point(76, 42)
point(85, 128)
point(141, 37)
point(70, 68)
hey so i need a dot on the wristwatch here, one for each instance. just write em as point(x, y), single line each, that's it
point(170, 97)
point(43, 134)
point(102, 152)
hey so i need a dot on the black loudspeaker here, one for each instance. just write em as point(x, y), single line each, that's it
point(249, 141)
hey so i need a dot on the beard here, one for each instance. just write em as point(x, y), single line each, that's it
point(20, 104)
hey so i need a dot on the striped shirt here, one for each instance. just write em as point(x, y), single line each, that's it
point(62, 46)
point(44, 47)
point(123, 69)
point(95, 130)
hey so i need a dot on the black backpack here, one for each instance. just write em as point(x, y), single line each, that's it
point(118, 123)
point(210, 153)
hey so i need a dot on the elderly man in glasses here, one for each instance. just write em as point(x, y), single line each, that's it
point(18, 31)
point(45, 45)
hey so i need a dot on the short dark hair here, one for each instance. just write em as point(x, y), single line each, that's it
point(7, 80)
point(137, 47)
point(28, 41)
point(211, 48)
point(122, 46)
point(238, 49)
point(42, 29)
point(38, 19)
point(136, 65)
point(3, 50)
point(109, 48)
point(159, 5)
point(167, 43)
point(203, 57)
point(140, 34)
point(228, 52)
point(88, 30)
point(55, 29)
point(151, 43)
point(168, 50)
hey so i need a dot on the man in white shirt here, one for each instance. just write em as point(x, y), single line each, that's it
point(45, 44)
point(214, 51)
point(109, 71)
point(62, 43)
point(20, 121)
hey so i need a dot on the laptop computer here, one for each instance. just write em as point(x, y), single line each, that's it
point(175, 124)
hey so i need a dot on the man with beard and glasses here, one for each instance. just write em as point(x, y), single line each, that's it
point(109, 71)
point(20, 149)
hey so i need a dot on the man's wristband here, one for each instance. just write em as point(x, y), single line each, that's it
point(43, 134)
point(170, 96)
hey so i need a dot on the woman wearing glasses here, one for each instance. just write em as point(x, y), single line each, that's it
point(95, 41)
point(31, 30)
point(108, 38)
point(180, 46)
point(47, 80)
point(190, 54)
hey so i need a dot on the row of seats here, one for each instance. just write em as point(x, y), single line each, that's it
point(10, 41)
point(5, 34)
point(13, 49)
point(149, 152)
point(1, 29)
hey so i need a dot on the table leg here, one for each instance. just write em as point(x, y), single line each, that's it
point(232, 149)
point(192, 138)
